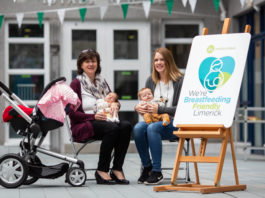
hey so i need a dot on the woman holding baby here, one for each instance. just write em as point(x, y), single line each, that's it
point(165, 84)
point(87, 122)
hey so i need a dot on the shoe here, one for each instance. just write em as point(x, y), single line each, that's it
point(117, 180)
point(145, 174)
point(154, 178)
point(100, 180)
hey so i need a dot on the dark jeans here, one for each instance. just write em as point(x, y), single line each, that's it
point(113, 136)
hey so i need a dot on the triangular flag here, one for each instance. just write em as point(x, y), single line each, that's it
point(82, 12)
point(151, 1)
point(170, 4)
point(49, 2)
point(61, 14)
point(40, 18)
point(103, 10)
point(146, 6)
point(184, 2)
point(118, 1)
point(20, 17)
point(124, 10)
point(1, 20)
point(14, 1)
point(216, 4)
point(242, 3)
point(192, 4)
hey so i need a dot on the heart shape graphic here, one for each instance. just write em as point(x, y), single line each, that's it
point(215, 72)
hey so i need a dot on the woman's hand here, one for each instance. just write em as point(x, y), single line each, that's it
point(152, 108)
point(141, 109)
point(100, 116)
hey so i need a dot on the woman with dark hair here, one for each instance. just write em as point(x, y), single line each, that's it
point(86, 123)
point(165, 83)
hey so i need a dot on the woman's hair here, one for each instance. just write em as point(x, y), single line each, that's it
point(171, 70)
point(87, 55)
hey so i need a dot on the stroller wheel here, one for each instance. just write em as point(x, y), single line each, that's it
point(31, 179)
point(13, 171)
point(76, 176)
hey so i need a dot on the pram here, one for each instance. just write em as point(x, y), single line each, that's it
point(26, 167)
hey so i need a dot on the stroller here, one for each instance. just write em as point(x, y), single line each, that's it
point(26, 167)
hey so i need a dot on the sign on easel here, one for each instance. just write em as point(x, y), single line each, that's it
point(212, 79)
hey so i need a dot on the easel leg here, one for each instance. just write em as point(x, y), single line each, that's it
point(195, 163)
point(233, 156)
point(177, 162)
point(221, 159)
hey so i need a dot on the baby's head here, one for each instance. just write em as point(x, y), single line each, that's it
point(145, 94)
point(111, 97)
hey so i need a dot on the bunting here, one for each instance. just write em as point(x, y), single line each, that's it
point(124, 10)
point(216, 4)
point(61, 14)
point(40, 18)
point(19, 17)
point(82, 12)
point(146, 6)
point(151, 1)
point(170, 4)
point(242, 3)
point(103, 10)
point(192, 5)
point(1, 20)
point(184, 2)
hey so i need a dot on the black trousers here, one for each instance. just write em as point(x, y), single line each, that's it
point(114, 136)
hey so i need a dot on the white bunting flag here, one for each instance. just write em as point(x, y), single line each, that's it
point(49, 2)
point(146, 6)
point(242, 3)
point(20, 17)
point(184, 2)
point(192, 4)
point(61, 14)
point(118, 1)
point(103, 10)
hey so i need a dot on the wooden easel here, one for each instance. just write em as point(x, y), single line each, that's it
point(204, 132)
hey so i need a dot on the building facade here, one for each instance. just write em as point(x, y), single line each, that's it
point(31, 56)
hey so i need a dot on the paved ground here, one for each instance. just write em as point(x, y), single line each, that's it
point(251, 173)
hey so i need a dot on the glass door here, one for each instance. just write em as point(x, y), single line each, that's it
point(124, 48)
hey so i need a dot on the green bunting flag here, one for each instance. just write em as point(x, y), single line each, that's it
point(82, 12)
point(170, 6)
point(1, 20)
point(151, 1)
point(40, 18)
point(216, 4)
point(124, 10)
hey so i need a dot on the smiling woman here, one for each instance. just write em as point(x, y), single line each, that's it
point(165, 84)
point(86, 122)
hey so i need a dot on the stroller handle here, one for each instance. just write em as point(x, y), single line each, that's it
point(5, 88)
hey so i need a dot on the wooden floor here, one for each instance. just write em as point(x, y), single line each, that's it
point(251, 173)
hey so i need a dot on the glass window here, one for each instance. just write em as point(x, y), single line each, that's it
point(81, 40)
point(126, 84)
point(26, 30)
point(26, 56)
point(125, 44)
point(180, 53)
point(27, 87)
point(181, 31)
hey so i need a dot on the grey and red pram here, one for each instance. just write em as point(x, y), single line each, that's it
point(26, 167)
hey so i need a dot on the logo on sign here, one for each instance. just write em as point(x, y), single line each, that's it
point(215, 72)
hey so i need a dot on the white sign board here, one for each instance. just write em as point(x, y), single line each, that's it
point(212, 79)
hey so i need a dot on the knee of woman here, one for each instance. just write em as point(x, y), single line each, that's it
point(138, 129)
point(153, 128)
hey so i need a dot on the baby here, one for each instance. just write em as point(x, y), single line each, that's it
point(146, 97)
point(104, 105)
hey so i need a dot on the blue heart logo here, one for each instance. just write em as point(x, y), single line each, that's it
point(215, 72)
